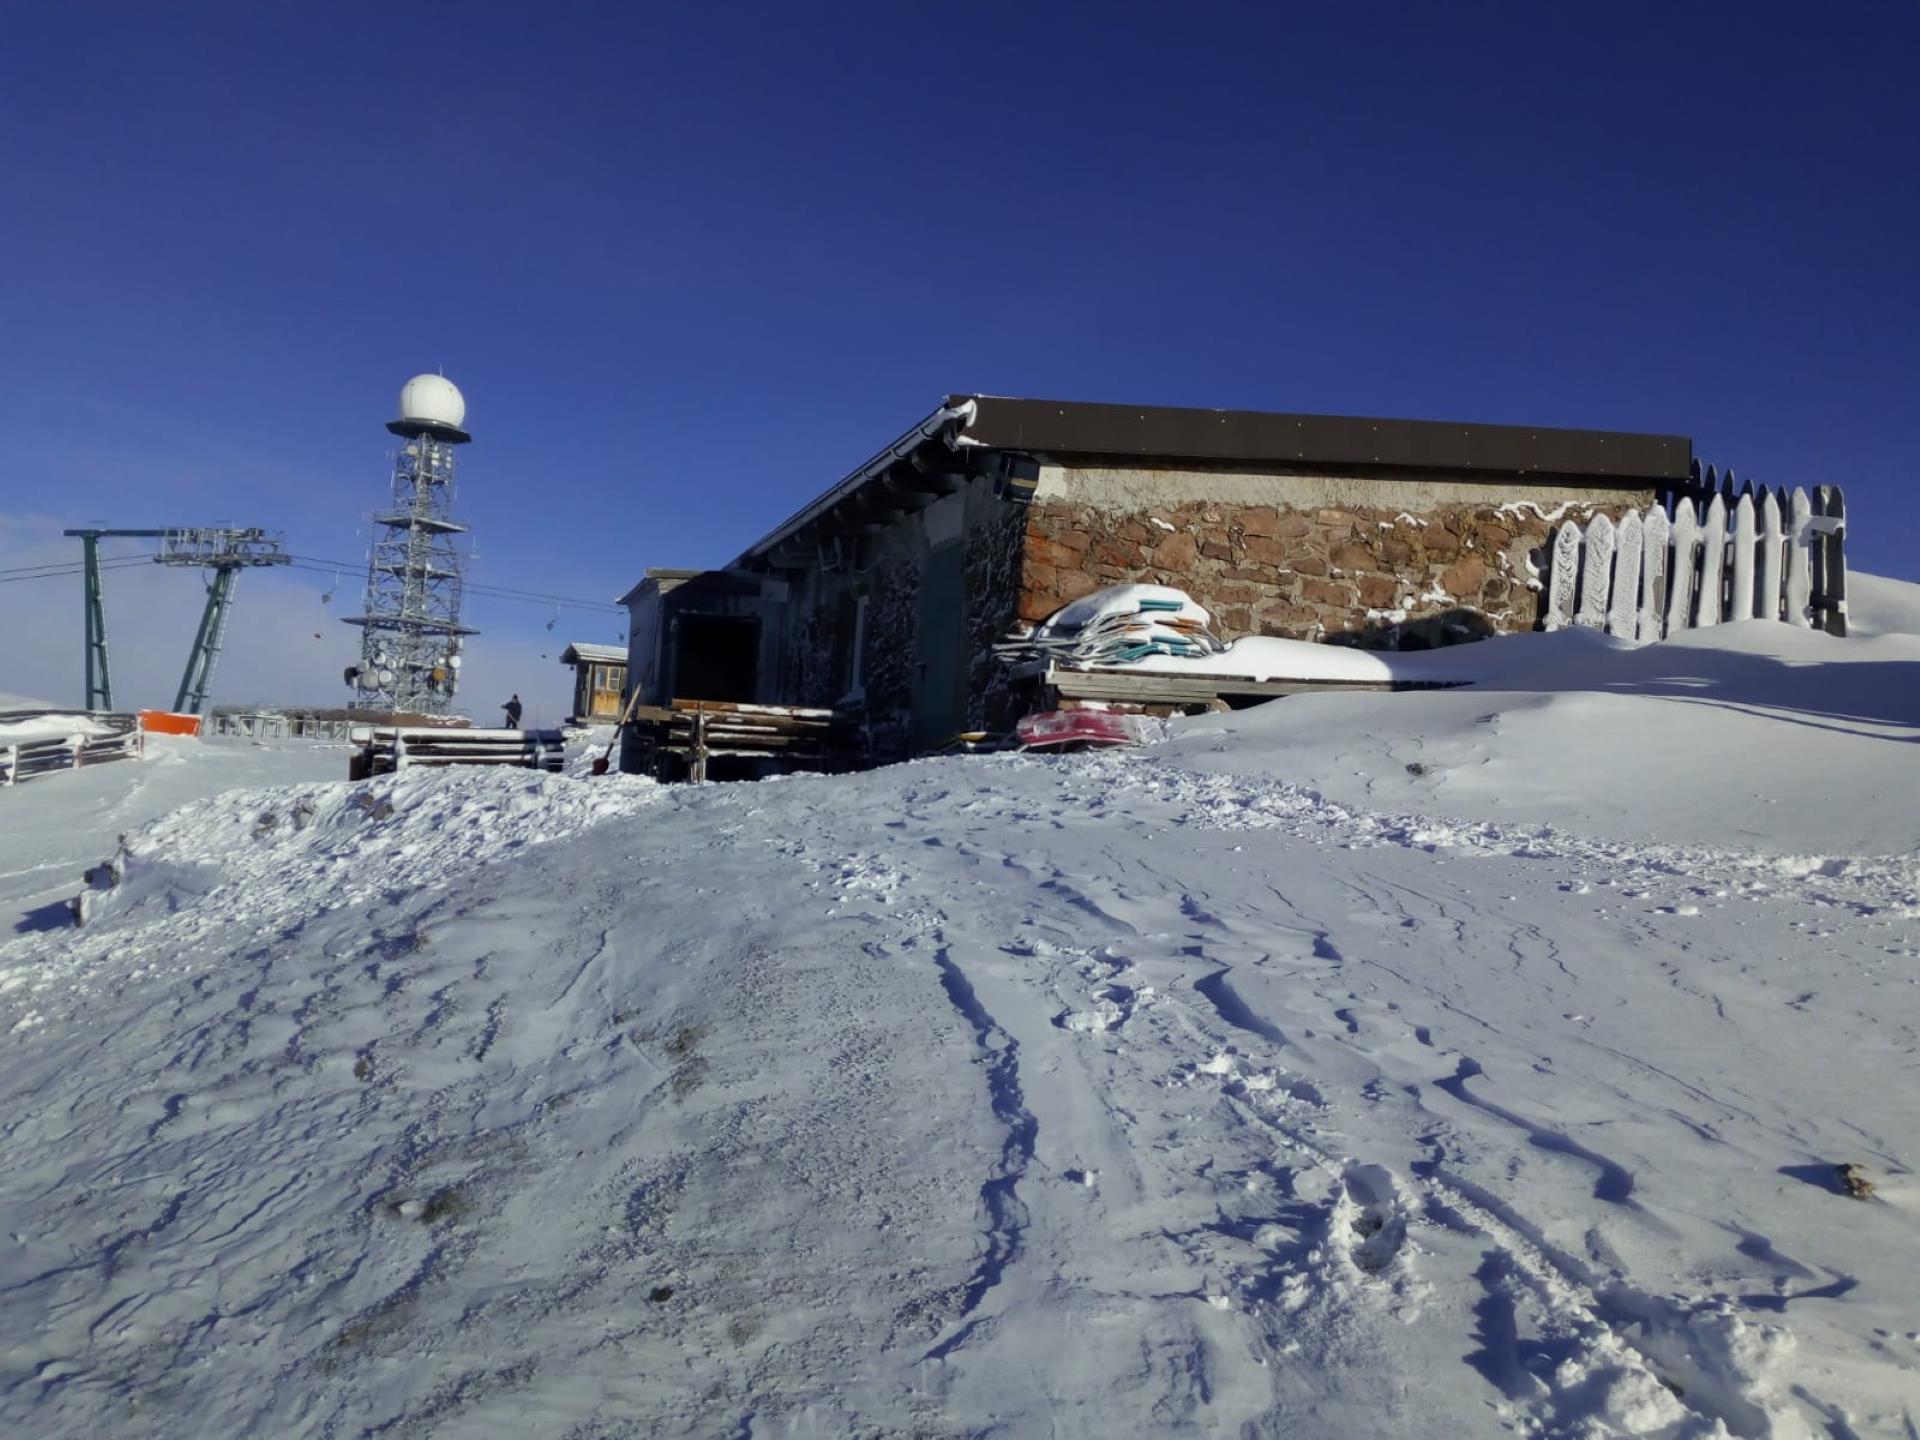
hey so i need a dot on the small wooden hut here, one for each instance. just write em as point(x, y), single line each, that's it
point(599, 682)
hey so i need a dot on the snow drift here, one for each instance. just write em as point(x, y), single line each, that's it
point(1388, 1067)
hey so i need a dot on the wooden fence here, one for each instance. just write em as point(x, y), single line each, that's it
point(97, 737)
point(1720, 554)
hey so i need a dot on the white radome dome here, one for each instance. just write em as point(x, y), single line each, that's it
point(433, 400)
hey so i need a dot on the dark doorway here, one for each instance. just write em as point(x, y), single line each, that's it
point(716, 657)
point(939, 692)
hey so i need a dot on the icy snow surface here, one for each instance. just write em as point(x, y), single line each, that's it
point(1251, 1083)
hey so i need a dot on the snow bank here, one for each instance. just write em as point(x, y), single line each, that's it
point(1243, 1084)
point(311, 849)
point(1757, 734)
point(1877, 605)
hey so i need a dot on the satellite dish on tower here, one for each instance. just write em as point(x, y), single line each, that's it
point(431, 405)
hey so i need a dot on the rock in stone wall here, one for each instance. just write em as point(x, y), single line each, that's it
point(1381, 578)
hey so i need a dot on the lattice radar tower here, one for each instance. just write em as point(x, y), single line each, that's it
point(410, 630)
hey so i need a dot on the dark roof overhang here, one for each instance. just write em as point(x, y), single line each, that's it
point(960, 436)
point(1253, 437)
point(660, 579)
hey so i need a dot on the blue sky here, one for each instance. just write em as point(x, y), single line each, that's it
point(690, 263)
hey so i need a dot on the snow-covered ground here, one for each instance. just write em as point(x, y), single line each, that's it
point(54, 827)
point(1250, 1083)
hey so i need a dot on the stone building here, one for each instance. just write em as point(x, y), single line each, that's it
point(888, 591)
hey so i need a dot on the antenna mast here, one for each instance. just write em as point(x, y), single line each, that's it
point(411, 633)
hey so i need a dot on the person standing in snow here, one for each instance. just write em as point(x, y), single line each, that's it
point(512, 707)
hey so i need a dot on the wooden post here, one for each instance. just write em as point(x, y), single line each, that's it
point(1623, 606)
point(699, 748)
point(1563, 577)
point(1711, 609)
point(1683, 581)
point(1800, 543)
point(1830, 603)
point(1771, 583)
point(1654, 535)
point(1596, 575)
point(1746, 547)
point(13, 763)
point(399, 751)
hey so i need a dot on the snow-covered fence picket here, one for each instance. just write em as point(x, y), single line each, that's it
point(1721, 555)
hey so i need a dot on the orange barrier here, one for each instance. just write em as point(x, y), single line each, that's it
point(168, 722)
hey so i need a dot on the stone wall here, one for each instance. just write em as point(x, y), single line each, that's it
point(886, 576)
point(1374, 575)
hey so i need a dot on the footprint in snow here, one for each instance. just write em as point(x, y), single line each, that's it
point(1113, 1006)
point(1375, 1218)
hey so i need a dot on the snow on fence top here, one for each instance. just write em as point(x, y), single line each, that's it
point(43, 742)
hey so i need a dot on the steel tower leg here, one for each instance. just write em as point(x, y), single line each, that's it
point(205, 654)
point(99, 677)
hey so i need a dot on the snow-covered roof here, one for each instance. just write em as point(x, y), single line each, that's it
point(581, 653)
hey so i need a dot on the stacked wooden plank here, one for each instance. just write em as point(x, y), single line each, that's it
point(684, 737)
point(383, 749)
point(44, 742)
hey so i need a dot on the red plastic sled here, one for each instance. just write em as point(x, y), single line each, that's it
point(1056, 729)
